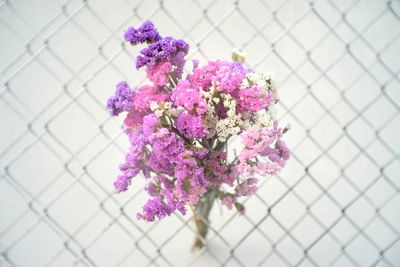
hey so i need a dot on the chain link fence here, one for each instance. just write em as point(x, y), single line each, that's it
point(337, 66)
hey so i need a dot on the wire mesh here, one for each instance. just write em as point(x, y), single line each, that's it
point(337, 66)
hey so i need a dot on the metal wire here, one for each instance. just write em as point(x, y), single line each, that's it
point(337, 65)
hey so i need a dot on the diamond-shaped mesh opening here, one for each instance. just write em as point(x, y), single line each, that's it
point(336, 203)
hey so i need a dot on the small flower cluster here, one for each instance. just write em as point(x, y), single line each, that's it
point(179, 128)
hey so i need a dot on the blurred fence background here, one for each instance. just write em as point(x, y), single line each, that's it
point(337, 66)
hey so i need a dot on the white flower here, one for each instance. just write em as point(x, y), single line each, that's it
point(264, 80)
point(153, 105)
point(159, 113)
point(264, 118)
point(205, 94)
point(173, 112)
point(231, 124)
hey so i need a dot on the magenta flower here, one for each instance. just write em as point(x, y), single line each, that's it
point(188, 97)
point(159, 73)
point(147, 94)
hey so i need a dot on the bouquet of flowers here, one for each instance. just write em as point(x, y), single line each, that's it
point(182, 130)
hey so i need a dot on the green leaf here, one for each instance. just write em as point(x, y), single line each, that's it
point(239, 206)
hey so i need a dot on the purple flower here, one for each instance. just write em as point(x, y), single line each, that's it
point(166, 151)
point(163, 50)
point(179, 61)
point(172, 202)
point(161, 163)
point(284, 152)
point(149, 123)
point(145, 33)
point(122, 100)
point(219, 169)
point(135, 161)
point(155, 208)
point(190, 183)
point(201, 154)
point(152, 189)
point(190, 126)
point(167, 183)
point(238, 67)
point(122, 183)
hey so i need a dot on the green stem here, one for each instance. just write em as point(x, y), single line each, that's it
point(172, 81)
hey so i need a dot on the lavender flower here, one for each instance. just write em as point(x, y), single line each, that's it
point(163, 50)
point(239, 68)
point(155, 208)
point(145, 33)
point(122, 183)
point(122, 100)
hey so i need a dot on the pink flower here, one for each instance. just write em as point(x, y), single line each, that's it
point(187, 96)
point(158, 74)
point(202, 77)
point(262, 142)
point(252, 99)
point(250, 137)
point(146, 94)
point(228, 201)
point(267, 168)
point(279, 154)
point(247, 187)
point(134, 118)
point(226, 79)
point(225, 76)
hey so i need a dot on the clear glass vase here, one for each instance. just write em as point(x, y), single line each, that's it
point(201, 213)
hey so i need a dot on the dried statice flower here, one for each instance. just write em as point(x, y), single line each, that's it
point(179, 129)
